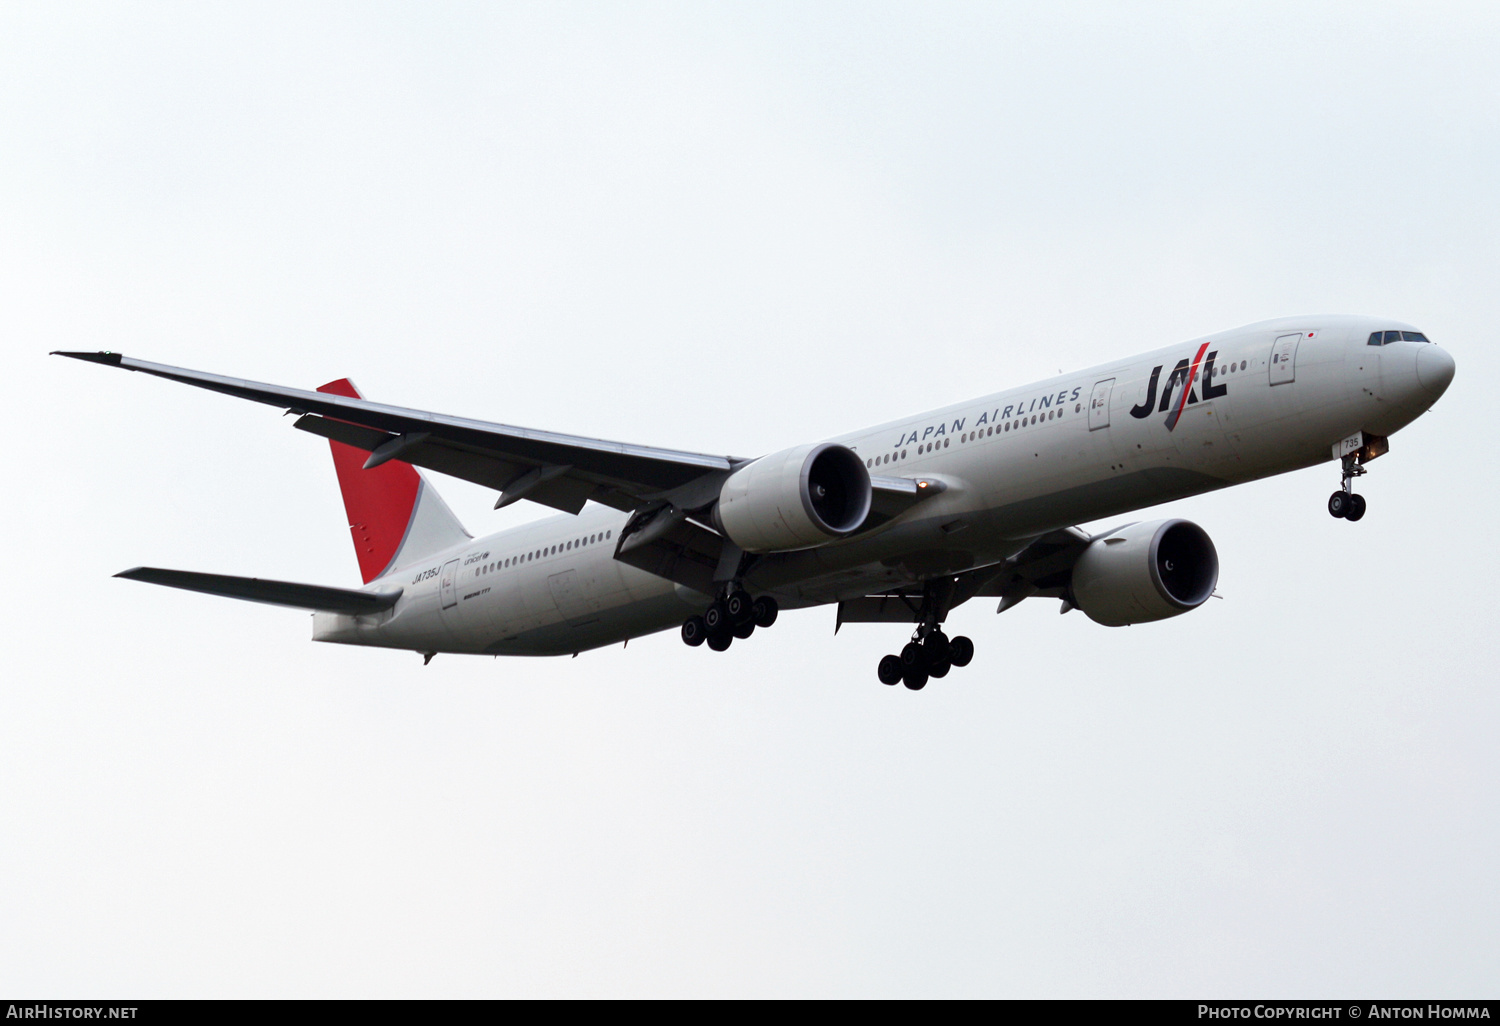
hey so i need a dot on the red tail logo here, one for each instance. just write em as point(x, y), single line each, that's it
point(379, 502)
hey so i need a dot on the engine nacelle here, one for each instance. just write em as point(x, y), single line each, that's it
point(1144, 572)
point(795, 499)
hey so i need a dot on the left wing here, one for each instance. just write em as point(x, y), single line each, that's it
point(1044, 569)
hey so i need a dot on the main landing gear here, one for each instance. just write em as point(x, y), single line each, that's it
point(1344, 503)
point(930, 653)
point(733, 615)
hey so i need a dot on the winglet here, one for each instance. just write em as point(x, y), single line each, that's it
point(112, 359)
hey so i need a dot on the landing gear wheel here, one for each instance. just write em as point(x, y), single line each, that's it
point(719, 642)
point(738, 606)
point(1356, 507)
point(715, 619)
point(694, 633)
point(1338, 504)
point(915, 678)
point(765, 609)
point(960, 651)
point(936, 646)
point(890, 670)
point(912, 657)
point(939, 668)
point(744, 630)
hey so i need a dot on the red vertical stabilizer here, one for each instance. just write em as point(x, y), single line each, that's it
point(395, 517)
point(379, 502)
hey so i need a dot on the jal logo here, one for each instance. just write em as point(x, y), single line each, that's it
point(1181, 387)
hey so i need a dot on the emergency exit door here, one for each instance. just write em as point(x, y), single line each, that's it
point(1284, 359)
point(448, 584)
point(1099, 404)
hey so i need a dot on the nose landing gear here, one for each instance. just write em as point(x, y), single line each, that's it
point(1344, 503)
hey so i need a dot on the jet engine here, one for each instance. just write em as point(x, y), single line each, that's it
point(1144, 572)
point(795, 499)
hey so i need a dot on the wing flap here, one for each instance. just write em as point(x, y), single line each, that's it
point(1043, 568)
point(276, 593)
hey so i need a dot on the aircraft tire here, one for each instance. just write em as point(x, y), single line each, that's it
point(912, 657)
point(694, 633)
point(720, 642)
point(738, 607)
point(766, 609)
point(744, 630)
point(1338, 504)
point(961, 651)
point(1356, 507)
point(890, 670)
point(915, 678)
point(715, 618)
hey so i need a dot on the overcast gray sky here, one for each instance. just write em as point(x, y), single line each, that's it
point(733, 228)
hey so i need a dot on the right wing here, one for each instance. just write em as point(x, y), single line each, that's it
point(561, 471)
point(557, 470)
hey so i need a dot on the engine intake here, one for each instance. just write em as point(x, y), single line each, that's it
point(1144, 572)
point(795, 499)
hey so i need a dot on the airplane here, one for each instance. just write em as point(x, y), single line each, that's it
point(897, 523)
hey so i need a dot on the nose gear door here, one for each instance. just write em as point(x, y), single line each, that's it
point(1284, 359)
point(1099, 404)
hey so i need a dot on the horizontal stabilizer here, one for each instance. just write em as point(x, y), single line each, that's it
point(276, 593)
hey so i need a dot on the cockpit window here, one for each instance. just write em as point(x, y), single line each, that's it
point(1380, 338)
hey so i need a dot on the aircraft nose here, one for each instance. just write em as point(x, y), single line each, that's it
point(1434, 370)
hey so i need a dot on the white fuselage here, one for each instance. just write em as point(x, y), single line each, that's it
point(1016, 464)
